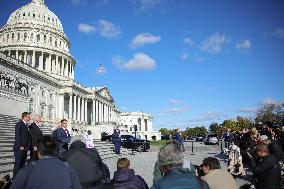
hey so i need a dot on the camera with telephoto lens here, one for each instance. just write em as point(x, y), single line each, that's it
point(199, 170)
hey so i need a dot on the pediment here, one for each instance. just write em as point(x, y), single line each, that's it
point(104, 92)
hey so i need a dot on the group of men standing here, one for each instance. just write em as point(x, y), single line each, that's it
point(28, 138)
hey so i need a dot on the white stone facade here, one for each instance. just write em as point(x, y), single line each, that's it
point(143, 121)
point(37, 76)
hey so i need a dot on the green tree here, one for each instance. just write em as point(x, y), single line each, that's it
point(164, 131)
point(243, 122)
point(229, 124)
point(269, 113)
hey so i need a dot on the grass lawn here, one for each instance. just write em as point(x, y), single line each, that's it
point(159, 143)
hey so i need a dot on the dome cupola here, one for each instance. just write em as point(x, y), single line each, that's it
point(34, 34)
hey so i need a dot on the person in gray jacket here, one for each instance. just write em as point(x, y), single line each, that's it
point(48, 172)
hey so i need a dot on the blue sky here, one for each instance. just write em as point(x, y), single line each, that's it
point(188, 62)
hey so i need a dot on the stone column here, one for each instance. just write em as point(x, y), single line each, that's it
point(97, 111)
point(25, 57)
point(79, 108)
point(17, 55)
point(86, 110)
point(73, 66)
point(48, 63)
point(61, 106)
point(33, 59)
point(82, 110)
point(70, 106)
point(101, 112)
point(66, 69)
point(75, 107)
point(58, 65)
point(94, 112)
point(40, 63)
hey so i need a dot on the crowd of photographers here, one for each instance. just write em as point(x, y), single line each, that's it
point(79, 165)
point(261, 151)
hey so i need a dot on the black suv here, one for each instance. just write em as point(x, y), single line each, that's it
point(129, 141)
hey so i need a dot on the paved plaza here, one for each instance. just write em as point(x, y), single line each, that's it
point(143, 163)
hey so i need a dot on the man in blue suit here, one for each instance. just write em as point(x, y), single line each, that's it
point(180, 139)
point(116, 140)
point(63, 137)
point(22, 142)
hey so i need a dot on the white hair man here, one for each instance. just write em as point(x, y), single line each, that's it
point(170, 159)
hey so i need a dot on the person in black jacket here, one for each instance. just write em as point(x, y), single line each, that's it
point(125, 177)
point(36, 134)
point(22, 142)
point(87, 163)
point(48, 172)
point(267, 170)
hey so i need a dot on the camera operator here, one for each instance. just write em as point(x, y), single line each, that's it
point(266, 171)
point(215, 176)
point(273, 147)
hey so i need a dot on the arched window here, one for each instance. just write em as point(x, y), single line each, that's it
point(32, 37)
point(44, 38)
point(55, 43)
point(38, 37)
point(7, 37)
point(50, 40)
point(18, 37)
point(34, 15)
point(13, 36)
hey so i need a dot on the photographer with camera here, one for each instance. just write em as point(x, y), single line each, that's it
point(266, 170)
point(215, 176)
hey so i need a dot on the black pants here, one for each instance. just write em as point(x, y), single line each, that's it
point(20, 160)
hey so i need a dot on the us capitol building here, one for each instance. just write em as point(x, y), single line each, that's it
point(37, 75)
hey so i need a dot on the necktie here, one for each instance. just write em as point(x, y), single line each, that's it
point(67, 132)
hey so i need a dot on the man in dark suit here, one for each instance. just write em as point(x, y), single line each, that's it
point(36, 137)
point(63, 137)
point(180, 139)
point(116, 140)
point(22, 142)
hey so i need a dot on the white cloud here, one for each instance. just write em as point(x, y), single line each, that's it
point(246, 110)
point(140, 61)
point(176, 101)
point(144, 38)
point(278, 33)
point(184, 55)
point(175, 110)
point(108, 29)
point(188, 41)
point(244, 45)
point(86, 28)
point(208, 116)
point(270, 100)
point(215, 43)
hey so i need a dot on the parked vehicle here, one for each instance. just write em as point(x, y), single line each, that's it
point(129, 141)
point(199, 138)
point(211, 139)
point(107, 138)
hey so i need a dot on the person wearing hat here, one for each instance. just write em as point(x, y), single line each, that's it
point(273, 147)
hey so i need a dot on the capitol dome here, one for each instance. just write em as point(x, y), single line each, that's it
point(34, 35)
